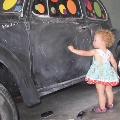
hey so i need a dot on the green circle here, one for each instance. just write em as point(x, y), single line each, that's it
point(91, 14)
point(97, 9)
point(36, 7)
point(52, 9)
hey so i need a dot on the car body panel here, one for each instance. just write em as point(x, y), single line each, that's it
point(35, 41)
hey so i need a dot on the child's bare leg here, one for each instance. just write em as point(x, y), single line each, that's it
point(109, 93)
point(101, 95)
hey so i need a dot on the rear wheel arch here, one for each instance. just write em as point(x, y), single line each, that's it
point(25, 83)
point(8, 80)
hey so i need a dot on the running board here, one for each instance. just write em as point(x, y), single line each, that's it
point(59, 86)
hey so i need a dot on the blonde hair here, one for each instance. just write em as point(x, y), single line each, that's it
point(107, 36)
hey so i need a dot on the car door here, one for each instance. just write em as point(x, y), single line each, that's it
point(54, 27)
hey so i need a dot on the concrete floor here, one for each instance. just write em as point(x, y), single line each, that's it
point(65, 104)
point(111, 114)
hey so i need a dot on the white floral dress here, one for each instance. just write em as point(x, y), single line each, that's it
point(102, 72)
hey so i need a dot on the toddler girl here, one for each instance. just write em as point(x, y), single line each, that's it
point(101, 73)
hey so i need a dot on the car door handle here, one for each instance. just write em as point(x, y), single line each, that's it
point(84, 27)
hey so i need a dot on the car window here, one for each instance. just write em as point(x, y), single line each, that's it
point(94, 9)
point(40, 7)
point(57, 8)
point(10, 5)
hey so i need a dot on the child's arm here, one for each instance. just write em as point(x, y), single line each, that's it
point(113, 62)
point(81, 52)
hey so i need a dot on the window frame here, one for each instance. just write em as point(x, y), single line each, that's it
point(98, 18)
point(48, 15)
point(14, 12)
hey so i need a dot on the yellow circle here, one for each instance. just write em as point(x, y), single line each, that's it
point(8, 4)
point(61, 8)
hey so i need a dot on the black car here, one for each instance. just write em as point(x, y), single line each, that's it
point(34, 35)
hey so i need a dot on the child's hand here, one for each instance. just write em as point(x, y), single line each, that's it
point(70, 47)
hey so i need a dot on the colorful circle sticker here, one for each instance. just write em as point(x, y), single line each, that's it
point(18, 7)
point(54, 0)
point(8, 4)
point(40, 8)
point(97, 9)
point(85, 2)
point(95, 16)
point(65, 11)
point(91, 14)
point(19, 1)
point(103, 16)
point(62, 9)
point(53, 10)
point(78, 13)
point(71, 6)
point(89, 6)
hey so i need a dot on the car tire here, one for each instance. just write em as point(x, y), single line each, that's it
point(7, 107)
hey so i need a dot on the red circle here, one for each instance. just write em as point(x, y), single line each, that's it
point(54, 0)
point(89, 6)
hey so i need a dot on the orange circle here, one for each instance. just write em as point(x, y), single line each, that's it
point(71, 7)
point(41, 8)
point(103, 16)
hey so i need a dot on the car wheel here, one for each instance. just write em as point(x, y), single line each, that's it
point(7, 106)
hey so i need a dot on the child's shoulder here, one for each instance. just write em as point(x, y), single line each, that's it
point(96, 50)
point(99, 50)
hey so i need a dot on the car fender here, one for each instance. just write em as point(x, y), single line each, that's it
point(25, 83)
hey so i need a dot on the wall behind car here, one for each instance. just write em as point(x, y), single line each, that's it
point(113, 8)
